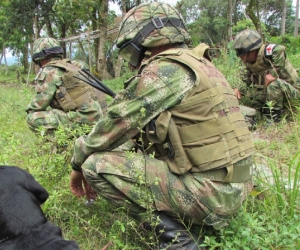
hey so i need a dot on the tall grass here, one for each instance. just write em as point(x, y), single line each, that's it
point(268, 220)
point(93, 227)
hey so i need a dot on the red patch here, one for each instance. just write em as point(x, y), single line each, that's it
point(269, 49)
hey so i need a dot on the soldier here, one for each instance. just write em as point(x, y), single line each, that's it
point(269, 75)
point(61, 99)
point(196, 160)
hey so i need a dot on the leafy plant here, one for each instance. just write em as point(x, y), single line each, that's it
point(268, 219)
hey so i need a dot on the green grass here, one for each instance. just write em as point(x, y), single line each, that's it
point(92, 227)
point(268, 220)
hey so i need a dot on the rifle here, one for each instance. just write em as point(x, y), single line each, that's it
point(95, 82)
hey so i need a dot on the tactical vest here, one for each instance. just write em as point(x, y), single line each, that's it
point(73, 93)
point(264, 63)
point(206, 133)
point(100, 96)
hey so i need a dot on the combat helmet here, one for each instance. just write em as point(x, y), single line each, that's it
point(246, 40)
point(149, 25)
point(45, 47)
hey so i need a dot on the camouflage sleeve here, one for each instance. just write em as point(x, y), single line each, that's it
point(245, 75)
point(47, 82)
point(161, 85)
point(278, 57)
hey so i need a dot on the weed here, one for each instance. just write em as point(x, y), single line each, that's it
point(268, 219)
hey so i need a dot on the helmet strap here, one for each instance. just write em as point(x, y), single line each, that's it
point(156, 23)
point(136, 43)
point(254, 44)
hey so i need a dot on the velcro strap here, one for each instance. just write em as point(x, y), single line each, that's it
point(202, 156)
point(210, 128)
point(234, 173)
point(196, 99)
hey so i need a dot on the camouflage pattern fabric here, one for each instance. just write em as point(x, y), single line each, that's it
point(80, 64)
point(138, 17)
point(279, 92)
point(38, 112)
point(133, 180)
point(246, 40)
point(44, 43)
point(121, 176)
point(282, 92)
point(276, 64)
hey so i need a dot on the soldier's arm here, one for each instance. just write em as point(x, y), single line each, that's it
point(161, 86)
point(245, 74)
point(278, 57)
point(46, 87)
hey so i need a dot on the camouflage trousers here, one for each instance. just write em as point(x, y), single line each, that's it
point(279, 93)
point(136, 182)
point(52, 118)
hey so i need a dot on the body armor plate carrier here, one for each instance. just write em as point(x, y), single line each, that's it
point(206, 133)
point(73, 93)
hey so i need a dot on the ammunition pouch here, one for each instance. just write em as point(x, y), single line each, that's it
point(64, 99)
point(164, 133)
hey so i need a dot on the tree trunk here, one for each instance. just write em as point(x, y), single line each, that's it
point(49, 27)
point(255, 19)
point(25, 61)
point(119, 63)
point(62, 33)
point(101, 62)
point(5, 62)
point(282, 32)
point(231, 6)
point(296, 19)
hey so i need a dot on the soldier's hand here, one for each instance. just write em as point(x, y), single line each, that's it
point(80, 187)
point(237, 93)
point(268, 79)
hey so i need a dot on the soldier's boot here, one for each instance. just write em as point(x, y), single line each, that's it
point(272, 115)
point(173, 235)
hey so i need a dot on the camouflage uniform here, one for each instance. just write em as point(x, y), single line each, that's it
point(38, 113)
point(271, 59)
point(134, 179)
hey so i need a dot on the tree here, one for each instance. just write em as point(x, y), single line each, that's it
point(296, 19)
point(251, 8)
point(282, 30)
point(206, 20)
point(93, 15)
point(17, 27)
point(231, 7)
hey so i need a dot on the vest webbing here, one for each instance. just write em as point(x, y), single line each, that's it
point(73, 93)
point(263, 64)
point(207, 132)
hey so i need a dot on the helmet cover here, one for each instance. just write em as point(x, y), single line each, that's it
point(44, 47)
point(154, 24)
point(247, 40)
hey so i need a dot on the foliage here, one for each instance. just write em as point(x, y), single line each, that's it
point(290, 42)
point(268, 220)
point(245, 24)
point(208, 22)
point(91, 226)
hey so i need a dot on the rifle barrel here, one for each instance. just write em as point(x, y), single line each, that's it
point(109, 91)
point(93, 84)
